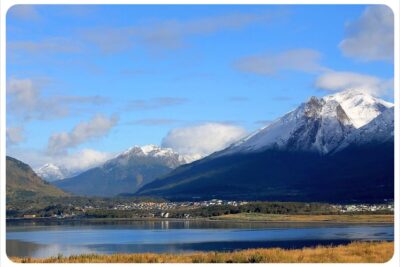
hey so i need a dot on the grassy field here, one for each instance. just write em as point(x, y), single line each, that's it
point(357, 252)
point(342, 218)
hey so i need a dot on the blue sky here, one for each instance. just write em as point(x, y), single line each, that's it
point(85, 82)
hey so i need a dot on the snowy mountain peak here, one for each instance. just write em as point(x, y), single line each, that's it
point(151, 151)
point(51, 172)
point(320, 124)
point(360, 106)
point(148, 150)
point(380, 129)
point(313, 107)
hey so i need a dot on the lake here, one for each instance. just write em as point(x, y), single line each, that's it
point(45, 239)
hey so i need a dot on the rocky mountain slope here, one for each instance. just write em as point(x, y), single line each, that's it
point(125, 173)
point(336, 148)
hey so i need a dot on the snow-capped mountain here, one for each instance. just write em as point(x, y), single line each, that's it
point(320, 124)
point(337, 148)
point(51, 172)
point(379, 130)
point(125, 173)
point(171, 158)
point(360, 106)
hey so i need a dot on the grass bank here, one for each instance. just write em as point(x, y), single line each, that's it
point(342, 218)
point(240, 217)
point(357, 252)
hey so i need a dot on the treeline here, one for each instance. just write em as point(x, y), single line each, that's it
point(51, 206)
point(258, 207)
point(104, 208)
point(290, 208)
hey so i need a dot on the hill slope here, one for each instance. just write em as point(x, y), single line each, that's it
point(22, 181)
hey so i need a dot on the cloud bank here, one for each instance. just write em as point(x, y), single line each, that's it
point(168, 34)
point(338, 81)
point(46, 46)
point(97, 127)
point(371, 37)
point(83, 160)
point(14, 135)
point(26, 101)
point(74, 162)
point(304, 60)
point(203, 139)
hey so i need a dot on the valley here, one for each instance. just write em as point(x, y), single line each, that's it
point(199, 133)
point(338, 150)
point(326, 168)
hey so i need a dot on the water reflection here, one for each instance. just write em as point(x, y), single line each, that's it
point(18, 248)
point(165, 225)
point(43, 240)
point(156, 224)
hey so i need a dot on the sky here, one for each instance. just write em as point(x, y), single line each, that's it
point(87, 82)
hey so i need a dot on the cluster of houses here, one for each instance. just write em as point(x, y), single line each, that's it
point(364, 207)
point(175, 205)
point(163, 209)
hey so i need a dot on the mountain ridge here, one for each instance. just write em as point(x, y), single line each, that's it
point(124, 173)
point(316, 144)
point(324, 123)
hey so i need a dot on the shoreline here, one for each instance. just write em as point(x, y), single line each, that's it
point(257, 218)
point(355, 252)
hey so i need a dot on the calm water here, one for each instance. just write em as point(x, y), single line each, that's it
point(69, 238)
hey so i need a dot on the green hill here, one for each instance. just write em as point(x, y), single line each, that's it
point(23, 182)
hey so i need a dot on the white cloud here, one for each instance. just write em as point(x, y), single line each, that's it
point(97, 127)
point(23, 94)
point(202, 139)
point(14, 135)
point(31, 51)
point(74, 162)
point(305, 60)
point(169, 34)
point(50, 45)
point(338, 81)
point(26, 101)
point(371, 37)
point(83, 159)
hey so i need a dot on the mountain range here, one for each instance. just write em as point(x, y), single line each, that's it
point(335, 148)
point(125, 173)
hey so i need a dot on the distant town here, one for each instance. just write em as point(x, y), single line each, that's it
point(190, 209)
point(364, 207)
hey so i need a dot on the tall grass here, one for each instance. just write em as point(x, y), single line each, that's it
point(357, 252)
point(336, 218)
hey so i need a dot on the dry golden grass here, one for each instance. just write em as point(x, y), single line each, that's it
point(357, 252)
point(342, 218)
